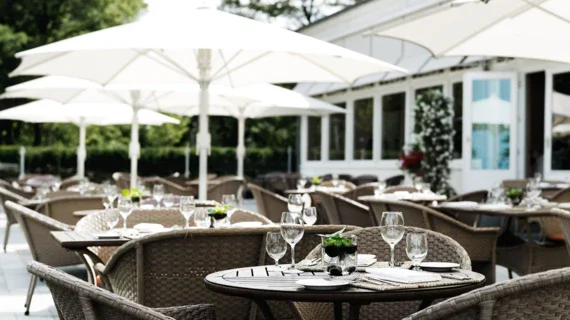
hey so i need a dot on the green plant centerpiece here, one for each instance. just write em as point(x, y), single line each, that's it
point(316, 181)
point(134, 194)
point(339, 253)
point(515, 195)
point(220, 214)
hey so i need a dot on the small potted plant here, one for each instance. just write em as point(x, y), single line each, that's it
point(219, 214)
point(316, 181)
point(134, 194)
point(515, 195)
point(339, 253)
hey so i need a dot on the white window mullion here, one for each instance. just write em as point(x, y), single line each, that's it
point(325, 120)
point(377, 128)
point(304, 139)
point(349, 134)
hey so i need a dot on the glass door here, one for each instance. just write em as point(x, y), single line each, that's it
point(489, 129)
point(557, 126)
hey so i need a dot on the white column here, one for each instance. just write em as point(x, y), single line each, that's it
point(325, 120)
point(81, 150)
point(304, 143)
point(134, 147)
point(22, 162)
point(240, 150)
point(377, 128)
point(187, 162)
point(349, 133)
point(203, 139)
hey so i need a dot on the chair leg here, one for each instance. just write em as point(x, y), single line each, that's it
point(31, 288)
point(6, 235)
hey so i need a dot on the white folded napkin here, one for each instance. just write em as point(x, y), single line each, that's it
point(459, 204)
point(247, 224)
point(148, 227)
point(365, 260)
point(401, 275)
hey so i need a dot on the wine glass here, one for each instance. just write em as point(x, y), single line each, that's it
point(335, 180)
point(230, 203)
point(295, 203)
point(380, 187)
point(187, 207)
point(276, 248)
point(106, 202)
point(168, 200)
point(302, 183)
point(111, 196)
point(201, 219)
point(416, 248)
point(310, 216)
point(125, 207)
point(158, 193)
point(111, 218)
point(292, 231)
point(392, 230)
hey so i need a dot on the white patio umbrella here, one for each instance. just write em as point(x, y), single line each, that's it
point(82, 115)
point(530, 29)
point(204, 46)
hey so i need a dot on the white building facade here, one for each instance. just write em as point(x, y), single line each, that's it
point(512, 116)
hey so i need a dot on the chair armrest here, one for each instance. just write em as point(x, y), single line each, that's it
point(194, 312)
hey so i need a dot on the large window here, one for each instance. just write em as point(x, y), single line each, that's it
point(363, 122)
point(560, 122)
point(337, 129)
point(457, 119)
point(393, 124)
point(314, 138)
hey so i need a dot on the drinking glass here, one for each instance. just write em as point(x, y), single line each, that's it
point(158, 193)
point(335, 180)
point(380, 187)
point(302, 183)
point(201, 219)
point(106, 202)
point(310, 216)
point(41, 192)
point(230, 203)
point(187, 207)
point(292, 231)
point(125, 207)
point(295, 203)
point(111, 196)
point(276, 248)
point(392, 230)
point(538, 177)
point(416, 248)
point(168, 200)
point(111, 218)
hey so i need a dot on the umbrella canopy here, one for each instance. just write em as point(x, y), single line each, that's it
point(82, 115)
point(204, 46)
point(528, 29)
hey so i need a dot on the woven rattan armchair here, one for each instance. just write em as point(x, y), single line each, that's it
point(6, 195)
point(227, 185)
point(122, 180)
point(563, 217)
point(44, 249)
point(241, 215)
point(480, 243)
point(276, 182)
point(62, 208)
point(172, 187)
point(550, 226)
point(25, 192)
point(539, 296)
point(341, 210)
point(362, 190)
point(77, 299)
point(395, 180)
point(479, 196)
point(347, 184)
point(364, 179)
point(393, 189)
point(516, 183)
point(269, 204)
point(441, 248)
point(71, 181)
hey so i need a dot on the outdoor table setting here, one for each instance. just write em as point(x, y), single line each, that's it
point(421, 197)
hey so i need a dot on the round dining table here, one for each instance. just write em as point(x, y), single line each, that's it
point(260, 285)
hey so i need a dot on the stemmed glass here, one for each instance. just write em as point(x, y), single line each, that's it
point(335, 180)
point(380, 187)
point(295, 203)
point(110, 196)
point(276, 248)
point(230, 203)
point(302, 183)
point(168, 200)
point(310, 216)
point(416, 248)
point(187, 207)
point(392, 231)
point(111, 218)
point(292, 231)
point(158, 193)
point(201, 219)
point(125, 207)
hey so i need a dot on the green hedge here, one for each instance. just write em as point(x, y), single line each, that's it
point(103, 161)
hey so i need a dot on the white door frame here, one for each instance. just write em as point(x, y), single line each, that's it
point(548, 173)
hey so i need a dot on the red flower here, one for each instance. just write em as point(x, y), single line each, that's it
point(411, 160)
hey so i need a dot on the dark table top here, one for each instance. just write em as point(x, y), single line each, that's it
point(73, 240)
point(259, 283)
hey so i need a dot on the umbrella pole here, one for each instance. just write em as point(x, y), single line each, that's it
point(203, 138)
point(134, 147)
point(81, 150)
point(240, 150)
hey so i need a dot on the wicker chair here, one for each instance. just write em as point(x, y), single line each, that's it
point(364, 179)
point(441, 248)
point(71, 181)
point(347, 184)
point(341, 210)
point(269, 204)
point(362, 190)
point(549, 226)
point(563, 217)
point(276, 182)
point(6, 195)
point(410, 189)
point(241, 215)
point(26, 192)
point(515, 184)
point(44, 249)
point(77, 299)
point(395, 180)
point(122, 180)
point(479, 196)
point(480, 243)
point(62, 208)
point(539, 296)
point(228, 185)
point(172, 187)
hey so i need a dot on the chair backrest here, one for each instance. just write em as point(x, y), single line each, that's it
point(362, 190)
point(395, 180)
point(62, 209)
point(37, 228)
point(341, 210)
point(534, 297)
point(228, 185)
point(77, 299)
point(25, 192)
point(561, 196)
point(347, 184)
point(276, 182)
point(71, 181)
point(241, 215)
point(564, 222)
point(269, 204)
point(515, 183)
point(6, 195)
point(172, 187)
point(479, 196)
point(364, 179)
point(410, 189)
point(61, 194)
point(122, 180)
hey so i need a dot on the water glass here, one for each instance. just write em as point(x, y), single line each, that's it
point(310, 216)
point(187, 208)
point(380, 187)
point(230, 203)
point(201, 219)
point(335, 180)
point(392, 231)
point(276, 248)
point(416, 248)
point(41, 192)
point(302, 183)
point(111, 197)
point(106, 202)
point(292, 231)
point(111, 218)
point(295, 203)
point(158, 193)
point(125, 207)
point(168, 200)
